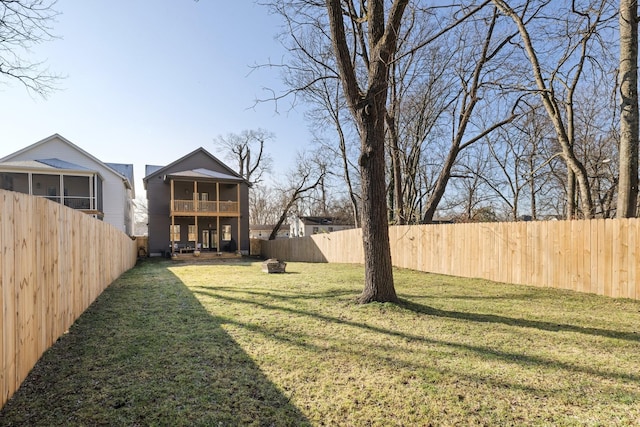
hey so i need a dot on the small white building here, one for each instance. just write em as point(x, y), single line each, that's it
point(263, 232)
point(301, 226)
point(57, 169)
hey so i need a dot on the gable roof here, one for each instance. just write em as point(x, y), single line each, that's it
point(57, 163)
point(149, 169)
point(201, 172)
point(206, 173)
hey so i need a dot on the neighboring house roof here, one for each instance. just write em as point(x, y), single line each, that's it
point(155, 172)
point(123, 169)
point(149, 169)
point(44, 164)
point(322, 220)
point(61, 164)
point(128, 182)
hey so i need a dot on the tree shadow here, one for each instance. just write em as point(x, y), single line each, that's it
point(484, 351)
point(511, 321)
point(147, 353)
point(429, 311)
point(275, 293)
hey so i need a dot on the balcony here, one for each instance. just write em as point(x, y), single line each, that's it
point(204, 208)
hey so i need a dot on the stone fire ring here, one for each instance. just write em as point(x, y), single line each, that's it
point(273, 265)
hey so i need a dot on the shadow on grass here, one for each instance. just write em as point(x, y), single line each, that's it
point(431, 311)
point(511, 321)
point(253, 291)
point(147, 353)
point(484, 351)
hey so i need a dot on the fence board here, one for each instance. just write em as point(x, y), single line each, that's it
point(55, 262)
point(598, 256)
point(7, 223)
point(633, 258)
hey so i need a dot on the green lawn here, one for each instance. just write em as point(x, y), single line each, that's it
point(225, 344)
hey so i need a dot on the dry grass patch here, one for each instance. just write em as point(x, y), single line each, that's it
point(228, 344)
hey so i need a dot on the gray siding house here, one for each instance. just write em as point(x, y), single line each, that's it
point(196, 203)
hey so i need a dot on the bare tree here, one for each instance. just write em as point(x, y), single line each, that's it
point(472, 179)
point(597, 141)
point(264, 204)
point(24, 24)
point(521, 158)
point(329, 112)
point(420, 91)
point(471, 93)
point(140, 216)
point(557, 85)
point(628, 181)
point(307, 175)
point(355, 43)
point(376, 31)
point(248, 149)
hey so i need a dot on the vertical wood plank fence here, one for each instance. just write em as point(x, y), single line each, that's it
point(596, 256)
point(55, 262)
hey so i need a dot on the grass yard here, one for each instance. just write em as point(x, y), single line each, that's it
point(226, 345)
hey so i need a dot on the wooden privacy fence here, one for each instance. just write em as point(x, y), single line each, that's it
point(596, 256)
point(55, 262)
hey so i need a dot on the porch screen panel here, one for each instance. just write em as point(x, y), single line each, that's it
point(99, 194)
point(47, 186)
point(77, 192)
point(15, 181)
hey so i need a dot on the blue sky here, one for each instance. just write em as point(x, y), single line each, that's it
point(148, 81)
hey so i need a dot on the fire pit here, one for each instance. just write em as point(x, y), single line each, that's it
point(273, 265)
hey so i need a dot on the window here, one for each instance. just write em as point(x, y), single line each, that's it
point(192, 233)
point(330, 229)
point(174, 232)
point(315, 230)
point(226, 232)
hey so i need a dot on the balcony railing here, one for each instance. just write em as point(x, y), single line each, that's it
point(204, 207)
point(78, 202)
point(74, 202)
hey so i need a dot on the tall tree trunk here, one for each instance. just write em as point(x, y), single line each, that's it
point(532, 186)
point(571, 194)
point(347, 177)
point(375, 229)
point(441, 184)
point(628, 180)
point(368, 110)
point(396, 170)
point(345, 169)
point(283, 217)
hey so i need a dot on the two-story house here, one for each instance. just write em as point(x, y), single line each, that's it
point(61, 171)
point(197, 203)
